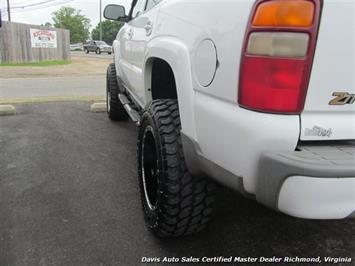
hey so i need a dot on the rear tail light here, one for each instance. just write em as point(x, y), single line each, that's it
point(293, 13)
point(278, 44)
point(278, 55)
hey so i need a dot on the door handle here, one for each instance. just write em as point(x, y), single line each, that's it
point(130, 34)
point(148, 28)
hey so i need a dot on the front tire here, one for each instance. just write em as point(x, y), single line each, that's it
point(98, 51)
point(115, 109)
point(87, 51)
point(174, 202)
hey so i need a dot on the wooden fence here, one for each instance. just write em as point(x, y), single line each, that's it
point(17, 43)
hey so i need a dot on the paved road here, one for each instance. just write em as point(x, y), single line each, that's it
point(92, 55)
point(69, 196)
point(76, 86)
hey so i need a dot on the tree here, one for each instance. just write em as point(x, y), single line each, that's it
point(71, 19)
point(109, 31)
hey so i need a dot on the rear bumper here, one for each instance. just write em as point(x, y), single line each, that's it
point(106, 50)
point(317, 182)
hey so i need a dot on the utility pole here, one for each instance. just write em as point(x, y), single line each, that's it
point(8, 10)
point(100, 20)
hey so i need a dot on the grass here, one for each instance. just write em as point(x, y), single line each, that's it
point(36, 64)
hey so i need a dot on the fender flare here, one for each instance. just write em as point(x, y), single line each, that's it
point(177, 55)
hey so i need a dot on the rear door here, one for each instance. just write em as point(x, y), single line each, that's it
point(329, 112)
point(90, 45)
point(128, 65)
point(142, 29)
point(122, 50)
point(94, 46)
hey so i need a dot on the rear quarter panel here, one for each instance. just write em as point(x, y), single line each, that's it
point(228, 135)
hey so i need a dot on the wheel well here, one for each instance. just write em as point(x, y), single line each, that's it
point(163, 85)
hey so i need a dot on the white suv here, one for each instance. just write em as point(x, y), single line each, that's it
point(255, 95)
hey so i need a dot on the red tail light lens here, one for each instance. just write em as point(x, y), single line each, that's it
point(272, 83)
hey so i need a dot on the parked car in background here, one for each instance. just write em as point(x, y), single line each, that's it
point(77, 47)
point(98, 47)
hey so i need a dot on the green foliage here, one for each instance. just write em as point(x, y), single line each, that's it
point(47, 24)
point(109, 31)
point(71, 19)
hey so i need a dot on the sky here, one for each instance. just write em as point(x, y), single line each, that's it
point(42, 14)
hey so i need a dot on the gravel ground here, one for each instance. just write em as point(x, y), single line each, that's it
point(69, 196)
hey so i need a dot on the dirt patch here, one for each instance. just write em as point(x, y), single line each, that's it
point(80, 66)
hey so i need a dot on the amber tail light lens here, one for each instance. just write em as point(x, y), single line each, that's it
point(285, 13)
point(278, 54)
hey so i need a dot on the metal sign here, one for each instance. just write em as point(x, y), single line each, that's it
point(43, 38)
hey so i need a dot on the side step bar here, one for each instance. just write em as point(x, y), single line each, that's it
point(133, 114)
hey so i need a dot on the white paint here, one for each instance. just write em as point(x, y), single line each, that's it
point(234, 138)
point(43, 38)
point(341, 125)
point(318, 198)
point(231, 137)
point(333, 71)
point(205, 62)
point(178, 60)
point(228, 135)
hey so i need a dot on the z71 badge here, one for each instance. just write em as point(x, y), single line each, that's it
point(342, 98)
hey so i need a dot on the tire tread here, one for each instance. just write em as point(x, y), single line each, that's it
point(117, 111)
point(187, 201)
